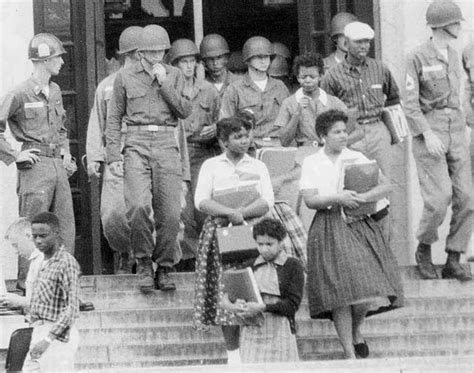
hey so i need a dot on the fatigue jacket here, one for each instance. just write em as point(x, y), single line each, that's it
point(244, 94)
point(432, 83)
point(138, 99)
point(229, 79)
point(468, 64)
point(32, 117)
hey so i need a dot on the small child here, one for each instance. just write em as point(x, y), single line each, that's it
point(280, 279)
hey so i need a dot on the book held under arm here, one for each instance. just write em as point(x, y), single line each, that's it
point(360, 178)
point(396, 123)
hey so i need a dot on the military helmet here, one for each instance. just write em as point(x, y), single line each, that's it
point(441, 13)
point(236, 63)
point(129, 39)
point(279, 67)
point(181, 48)
point(154, 38)
point(256, 46)
point(44, 46)
point(213, 45)
point(339, 21)
point(280, 49)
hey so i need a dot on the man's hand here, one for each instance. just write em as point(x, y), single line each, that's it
point(30, 156)
point(116, 168)
point(38, 349)
point(433, 144)
point(13, 300)
point(184, 192)
point(208, 132)
point(93, 169)
point(67, 157)
point(160, 72)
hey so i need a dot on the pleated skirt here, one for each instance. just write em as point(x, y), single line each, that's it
point(349, 263)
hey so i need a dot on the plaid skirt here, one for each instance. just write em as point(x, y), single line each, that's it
point(295, 243)
point(349, 263)
point(269, 343)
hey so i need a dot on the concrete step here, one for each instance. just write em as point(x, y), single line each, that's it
point(186, 279)
point(147, 352)
point(452, 342)
point(433, 364)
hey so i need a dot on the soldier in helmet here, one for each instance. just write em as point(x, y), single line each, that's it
point(112, 204)
point(36, 116)
point(336, 33)
point(440, 141)
point(257, 91)
point(236, 64)
point(215, 55)
point(200, 130)
point(149, 98)
point(279, 67)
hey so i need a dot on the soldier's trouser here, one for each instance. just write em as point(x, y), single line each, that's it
point(45, 187)
point(445, 180)
point(153, 183)
point(376, 144)
point(113, 213)
point(192, 218)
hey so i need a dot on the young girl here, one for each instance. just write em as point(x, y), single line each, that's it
point(280, 280)
point(230, 170)
point(351, 267)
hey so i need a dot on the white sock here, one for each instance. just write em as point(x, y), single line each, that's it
point(233, 357)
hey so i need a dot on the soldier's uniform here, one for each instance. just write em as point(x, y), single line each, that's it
point(433, 102)
point(468, 64)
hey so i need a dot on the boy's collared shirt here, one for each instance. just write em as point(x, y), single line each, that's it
point(55, 295)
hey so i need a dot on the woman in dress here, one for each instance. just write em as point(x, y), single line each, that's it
point(280, 280)
point(352, 271)
point(231, 170)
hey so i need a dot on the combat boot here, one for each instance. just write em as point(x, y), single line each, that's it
point(163, 281)
point(125, 264)
point(425, 266)
point(454, 269)
point(145, 273)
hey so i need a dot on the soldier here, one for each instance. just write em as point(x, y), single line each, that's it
point(236, 64)
point(365, 86)
point(279, 67)
point(257, 91)
point(149, 97)
point(336, 33)
point(215, 55)
point(200, 129)
point(440, 141)
point(112, 206)
point(36, 116)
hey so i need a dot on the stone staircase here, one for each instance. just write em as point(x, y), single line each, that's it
point(131, 330)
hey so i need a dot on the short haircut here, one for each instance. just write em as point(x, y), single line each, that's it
point(227, 126)
point(269, 227)
point(47, 218)
point(308, 60)
point(17, 228)
point(326, 120)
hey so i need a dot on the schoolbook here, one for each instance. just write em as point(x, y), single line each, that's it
point(241, 284)
point(396, 123)
point(361, 177)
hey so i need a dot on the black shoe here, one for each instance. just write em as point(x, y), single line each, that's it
point(456, 271)
point(425, 266)
point(145, 274)
point(163, 281)
point(86, 306)
point(361, 350)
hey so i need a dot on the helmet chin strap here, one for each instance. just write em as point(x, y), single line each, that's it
point(447, 31)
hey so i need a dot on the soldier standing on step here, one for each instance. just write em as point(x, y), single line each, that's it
point(54, 304)
point(149, 97)
point(36, 116)
point(440, 141)
point(112, 206)
point(200, 128)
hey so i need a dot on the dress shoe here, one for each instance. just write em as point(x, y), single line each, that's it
point(163, 281)
point(125, 264)
point(455, 270)
point(86, 306)
point(361, 350)
point(145, 274)
point(425, 266)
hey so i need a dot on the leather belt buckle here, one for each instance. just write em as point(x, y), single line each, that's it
point(153, 128)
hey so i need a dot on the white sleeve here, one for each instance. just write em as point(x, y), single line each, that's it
point(307, 180)
point(266, 186)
